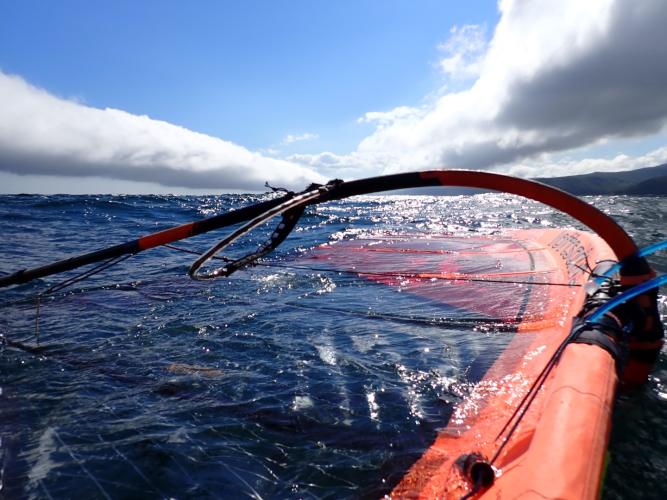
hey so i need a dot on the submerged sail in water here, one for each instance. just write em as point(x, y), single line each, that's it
point(530, 282)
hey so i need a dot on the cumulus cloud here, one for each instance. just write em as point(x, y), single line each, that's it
point(43, 134)
point(554, 77)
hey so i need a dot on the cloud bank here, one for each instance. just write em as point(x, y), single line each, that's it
point(619, 163)
point(42, 134)
point(555, 76)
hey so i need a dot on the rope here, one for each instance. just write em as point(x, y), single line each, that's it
point(70, 281)
point(87, 274)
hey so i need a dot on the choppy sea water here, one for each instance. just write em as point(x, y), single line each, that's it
point(270, 384)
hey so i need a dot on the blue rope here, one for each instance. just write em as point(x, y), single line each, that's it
point(625, 296)
point(642, 252)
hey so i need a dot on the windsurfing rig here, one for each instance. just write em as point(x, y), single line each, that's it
point(639, 316)
point(631, 270)
point(620, 314)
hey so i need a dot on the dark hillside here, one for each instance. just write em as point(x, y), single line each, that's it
point(649, 180)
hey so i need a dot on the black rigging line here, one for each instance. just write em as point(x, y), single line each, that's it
point(70, 281)
point(498, 324)
point(87, 274)
point(529, 397)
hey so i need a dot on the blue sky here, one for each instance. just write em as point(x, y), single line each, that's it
point(311, 89)
point(250, 72)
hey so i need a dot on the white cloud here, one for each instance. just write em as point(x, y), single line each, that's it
point(292, 138)
point(385, 118)
point(555, 77)
point(42, 134)
point(349, 166)
point(464, 51)
point(550, 167)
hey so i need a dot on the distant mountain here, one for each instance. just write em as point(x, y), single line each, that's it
point(655, 185)
point(643, 181)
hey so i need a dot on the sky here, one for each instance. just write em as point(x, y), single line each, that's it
point(223, 96)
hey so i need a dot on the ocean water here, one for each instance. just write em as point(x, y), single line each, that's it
point(275, 383)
